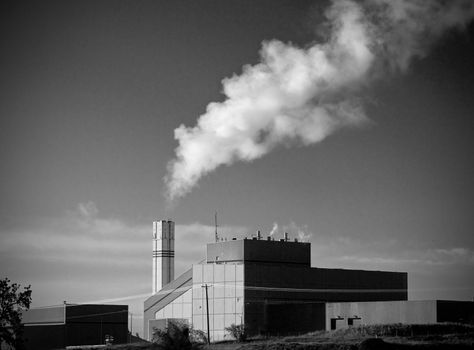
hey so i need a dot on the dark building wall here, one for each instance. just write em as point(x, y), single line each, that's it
point(266, 281)
point(45, 337)
point(88, 324)
point(454, 311)
point(84, 325)
point(280, 284)
point(261, 251)
point(293, 318)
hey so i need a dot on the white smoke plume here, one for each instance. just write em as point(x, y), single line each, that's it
point(302, 95)
point(301, 232)
point(274, 229)
point(303, 236)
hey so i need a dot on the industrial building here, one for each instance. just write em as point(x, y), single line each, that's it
point(56, 327)
point(341, 315)
point(266, 284)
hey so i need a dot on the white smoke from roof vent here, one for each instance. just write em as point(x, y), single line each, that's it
point(274, 229)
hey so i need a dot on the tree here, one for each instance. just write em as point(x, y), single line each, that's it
point(12, 302)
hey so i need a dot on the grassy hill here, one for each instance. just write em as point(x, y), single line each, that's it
point(392, 337)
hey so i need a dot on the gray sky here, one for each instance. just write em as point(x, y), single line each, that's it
point(91, 93)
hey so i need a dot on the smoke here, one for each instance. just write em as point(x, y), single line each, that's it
point(299, 96)
point(88, 210)
point(274, 229)
point(406, 29)
point(303, 236)
point(301, 232)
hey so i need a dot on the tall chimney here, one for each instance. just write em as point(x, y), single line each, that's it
point(163, 253)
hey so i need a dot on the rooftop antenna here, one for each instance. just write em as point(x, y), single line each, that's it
point(215, 223)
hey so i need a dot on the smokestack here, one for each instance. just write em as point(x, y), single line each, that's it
point(163, 254)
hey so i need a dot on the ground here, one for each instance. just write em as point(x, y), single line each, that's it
point(393, 337)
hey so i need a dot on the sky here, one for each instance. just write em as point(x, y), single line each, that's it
point(92, 92)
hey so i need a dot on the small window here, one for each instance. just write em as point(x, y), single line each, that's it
point(354, 321)
point(337, 323)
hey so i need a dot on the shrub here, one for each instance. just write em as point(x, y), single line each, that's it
point(197, 336)
point(178, 336)
point(237, 331)
point(175, 337)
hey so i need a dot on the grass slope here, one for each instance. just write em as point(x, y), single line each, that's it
point(379, 337)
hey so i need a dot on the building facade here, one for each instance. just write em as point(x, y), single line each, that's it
point(262, 284)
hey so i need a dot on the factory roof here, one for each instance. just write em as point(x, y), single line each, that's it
point(260, 251)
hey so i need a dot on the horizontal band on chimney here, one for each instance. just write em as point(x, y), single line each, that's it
point(166, 255)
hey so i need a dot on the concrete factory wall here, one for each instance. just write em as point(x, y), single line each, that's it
point(226, 297)
point(163, 323)
point(406, 312)
point(180, 308)
point(168, 294)
point(383, 312)
point(45, 315)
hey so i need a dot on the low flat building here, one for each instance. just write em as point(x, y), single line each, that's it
point(55, 327)
point(343, 315)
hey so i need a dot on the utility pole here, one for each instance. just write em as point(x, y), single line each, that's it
point(207, 312)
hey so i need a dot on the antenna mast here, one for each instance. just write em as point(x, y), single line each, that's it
point(215, 223)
